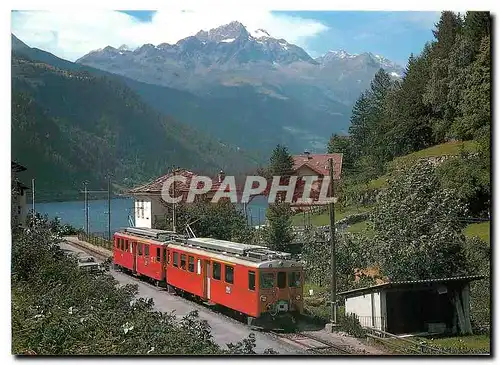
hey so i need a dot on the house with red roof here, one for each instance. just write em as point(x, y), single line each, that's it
point(309, 164)
point(149, 206)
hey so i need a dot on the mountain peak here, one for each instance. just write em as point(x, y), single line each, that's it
point(225, 32)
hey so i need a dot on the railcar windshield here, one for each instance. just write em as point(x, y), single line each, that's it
point(267, 280)
point(294, 279)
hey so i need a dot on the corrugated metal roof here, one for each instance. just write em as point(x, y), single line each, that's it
point(411, 282)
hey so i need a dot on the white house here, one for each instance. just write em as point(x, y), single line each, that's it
point(19, 210)
point(419, 306)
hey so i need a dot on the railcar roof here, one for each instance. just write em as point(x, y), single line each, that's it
point(245, 254)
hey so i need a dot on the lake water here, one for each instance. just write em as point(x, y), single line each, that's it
point(73, 212)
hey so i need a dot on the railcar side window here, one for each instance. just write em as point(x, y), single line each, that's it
point(165, 253)
point(281, 279)
point(294, 279)
point(176, 259)
point(199, 267)
point(139, 249)
point(168, 257)
point(229, 274)
point(266, 280)
point(126, 246)
point(158, 254)
point(251, 280)
point(191, 263)
point(146, 250)
point(121, 245)
point(183, 262)
point(216, 271)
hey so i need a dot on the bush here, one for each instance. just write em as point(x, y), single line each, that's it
point(350, 324)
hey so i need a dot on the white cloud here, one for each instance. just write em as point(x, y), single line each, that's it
point(71, 34)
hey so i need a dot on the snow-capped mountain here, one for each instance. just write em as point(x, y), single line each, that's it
point(232, 55)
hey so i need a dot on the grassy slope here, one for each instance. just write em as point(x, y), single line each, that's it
point(323, 219)
point(449, 148)
point(481, 230)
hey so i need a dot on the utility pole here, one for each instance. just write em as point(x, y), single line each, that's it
point(109, 208)
point(86, 192)
point(86, 209)
point(33, 198)
point(332, 240)
point(173, 208)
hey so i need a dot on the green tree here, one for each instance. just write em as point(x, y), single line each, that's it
point(342, 144)
point(475, 106)
point(278, 235)
point(410, 118)
point(221, 220)
point(280, 162)
point(418, 233)
point(477, 25)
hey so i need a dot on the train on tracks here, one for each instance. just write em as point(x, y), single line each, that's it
point(263, 285)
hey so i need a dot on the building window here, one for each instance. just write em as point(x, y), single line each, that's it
point(191, 264)
point(183, 262)
point(266, 280)
point(282, 280)
point(251, 280)
point(176, 259)
point(216, 271)
point(229, 274)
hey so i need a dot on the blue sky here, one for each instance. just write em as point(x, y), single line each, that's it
point(71, 34)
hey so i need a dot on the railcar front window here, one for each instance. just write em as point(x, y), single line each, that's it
point(139, 249)
point(176, 259)
point(191, 263)
point(282, 280)
point(251, 280)
point(229, 273)
point(294, 279)
point(158, 254)
point(146, 250)
point(267, 280)
point(216, 271)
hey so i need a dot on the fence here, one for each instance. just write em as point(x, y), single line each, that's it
point(372, 322)
point(96, 240)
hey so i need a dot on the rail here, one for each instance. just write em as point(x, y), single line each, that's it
point(403, 345)
point(96, 240)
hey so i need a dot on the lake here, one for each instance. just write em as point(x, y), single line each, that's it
point(73, 213)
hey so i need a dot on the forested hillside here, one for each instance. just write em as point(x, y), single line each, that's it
point(443, 96)
point(71, 126)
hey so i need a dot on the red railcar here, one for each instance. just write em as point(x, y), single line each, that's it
point(249, 279)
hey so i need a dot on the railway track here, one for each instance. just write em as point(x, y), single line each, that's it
point(312, 344)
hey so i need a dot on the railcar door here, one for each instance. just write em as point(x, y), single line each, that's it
point(133, 248)
point(206, 279)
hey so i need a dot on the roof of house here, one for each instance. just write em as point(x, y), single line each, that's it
point(14, 166)
point(319, 163)
point(393, 284)
point(156, 186)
